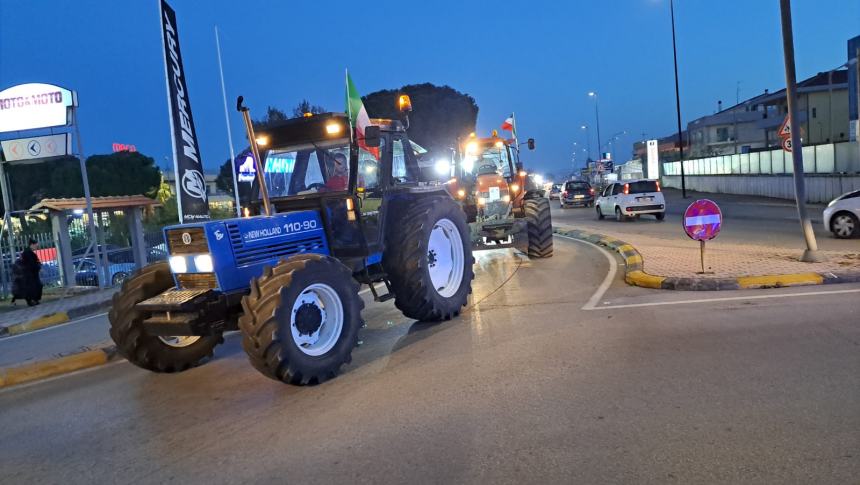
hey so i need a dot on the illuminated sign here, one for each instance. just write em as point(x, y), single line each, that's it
point(122, 147)
point(247, 172)
point(34, 105)
point(279, 165)
point(36, 147)
point(653, 164)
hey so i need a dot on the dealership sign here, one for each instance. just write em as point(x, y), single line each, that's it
point(34, 105)
point(36, 148)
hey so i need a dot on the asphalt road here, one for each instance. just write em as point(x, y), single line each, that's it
point(748, 220)
point(640, 386)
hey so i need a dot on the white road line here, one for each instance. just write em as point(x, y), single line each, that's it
point(729, 298)
point(27, 334)
point(607, 281)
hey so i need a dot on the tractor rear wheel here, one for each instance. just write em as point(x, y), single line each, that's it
point(539, 227)
point(160, 354)
point(301, 319)
point(428, 259)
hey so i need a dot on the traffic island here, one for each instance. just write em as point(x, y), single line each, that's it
point(636, 275)
point(13, 376)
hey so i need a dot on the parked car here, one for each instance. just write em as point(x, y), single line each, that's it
point(842, 215)
point(555, 192)
point(85, 272)
point(631, 198)
point(577, 193)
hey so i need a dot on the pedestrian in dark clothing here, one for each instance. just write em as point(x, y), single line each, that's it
point(26, 283)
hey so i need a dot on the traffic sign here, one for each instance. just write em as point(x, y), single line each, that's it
point(786, 144)
point(702, 220)
point(785, 128)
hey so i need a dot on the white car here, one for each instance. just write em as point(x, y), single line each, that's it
point(631, 198)
point(842, 215)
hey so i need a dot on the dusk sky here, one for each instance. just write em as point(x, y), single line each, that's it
point(538, 59)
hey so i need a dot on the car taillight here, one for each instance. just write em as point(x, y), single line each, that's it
point(626, 189)
point(591, 191)
point(564, 194)
point(658, 186)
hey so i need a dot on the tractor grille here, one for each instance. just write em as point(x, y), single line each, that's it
point(196, 241)
point(197, 281)
point(274, 250)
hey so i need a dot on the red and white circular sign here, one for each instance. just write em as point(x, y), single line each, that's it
point(702, 220)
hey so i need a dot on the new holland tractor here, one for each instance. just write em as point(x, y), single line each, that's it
point(335, 211)
point(503, 206)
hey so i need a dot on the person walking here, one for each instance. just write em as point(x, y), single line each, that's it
point(30, 283)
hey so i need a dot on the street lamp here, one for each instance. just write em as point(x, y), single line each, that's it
point(594, 95)
point(678, 101)
point(587, 138)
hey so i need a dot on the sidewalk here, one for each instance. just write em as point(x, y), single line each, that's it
point(54, 311)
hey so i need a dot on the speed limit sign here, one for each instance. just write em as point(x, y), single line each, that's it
point(786, 144)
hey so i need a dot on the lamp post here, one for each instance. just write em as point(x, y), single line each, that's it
point(810, 255)
point(587, 139)
point(678, 101)
point(594, 95)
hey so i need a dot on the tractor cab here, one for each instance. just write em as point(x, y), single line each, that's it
point(312, 163)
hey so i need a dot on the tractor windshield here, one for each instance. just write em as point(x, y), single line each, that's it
point(493, 159)
point(308, 168)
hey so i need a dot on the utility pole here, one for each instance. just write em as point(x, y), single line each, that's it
point(678, 102)
point(810, 254)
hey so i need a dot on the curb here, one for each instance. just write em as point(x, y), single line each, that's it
point(13, 376)
point(53, 319)
point(635, 274)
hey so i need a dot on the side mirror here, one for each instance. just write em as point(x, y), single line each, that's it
point(240, 102)
point(531, 143)
point(371, 136)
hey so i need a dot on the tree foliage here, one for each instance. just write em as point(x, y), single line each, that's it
point(306, 107)
point(441, 114)
point(122, 173)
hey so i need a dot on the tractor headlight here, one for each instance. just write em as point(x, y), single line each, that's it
point(203, 263)
point(178, 264)
point(443, 166)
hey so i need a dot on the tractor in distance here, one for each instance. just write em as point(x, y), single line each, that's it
point(503, 205)
point(336, 210)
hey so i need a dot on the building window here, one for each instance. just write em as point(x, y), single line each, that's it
point(814, 113)
point(723, 134)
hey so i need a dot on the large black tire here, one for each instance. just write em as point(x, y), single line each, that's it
point(267, 322)
point(126, 325)
point(407, 259)
point(539, 227)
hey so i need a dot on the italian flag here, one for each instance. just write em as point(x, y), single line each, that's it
point(358, 117)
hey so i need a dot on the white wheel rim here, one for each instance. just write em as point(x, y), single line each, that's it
point(179, 342)
point(843, 225)
point(445, 258)
point(320, 298)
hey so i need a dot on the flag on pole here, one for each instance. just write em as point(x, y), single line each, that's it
point(358, 117)
point(508, 125)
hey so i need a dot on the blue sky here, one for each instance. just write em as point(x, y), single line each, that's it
point(538, 59)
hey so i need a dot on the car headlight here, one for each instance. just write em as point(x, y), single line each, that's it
point(178, 264)
point(203, 263)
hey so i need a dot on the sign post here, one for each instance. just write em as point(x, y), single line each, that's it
point(702, 222)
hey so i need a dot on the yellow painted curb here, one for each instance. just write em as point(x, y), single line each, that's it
point(39, 370)
point(625, 248)
point(645, 280)
point(630, 260)
point(780, 280)
point(38, 323)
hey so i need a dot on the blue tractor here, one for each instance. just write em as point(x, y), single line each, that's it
point(335, 212)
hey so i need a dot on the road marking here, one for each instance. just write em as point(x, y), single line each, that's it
point(728, 298)
point(592, 302)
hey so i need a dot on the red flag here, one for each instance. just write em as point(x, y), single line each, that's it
point(508, 124)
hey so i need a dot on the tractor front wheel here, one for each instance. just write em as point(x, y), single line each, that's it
point(159, 354)
point(428, 260)
point(539, 227)
point(301, 319)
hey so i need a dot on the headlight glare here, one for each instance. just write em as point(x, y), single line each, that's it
point(203, 263)
point(178, 264)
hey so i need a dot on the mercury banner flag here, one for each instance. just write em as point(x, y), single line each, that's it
point(190, 184)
